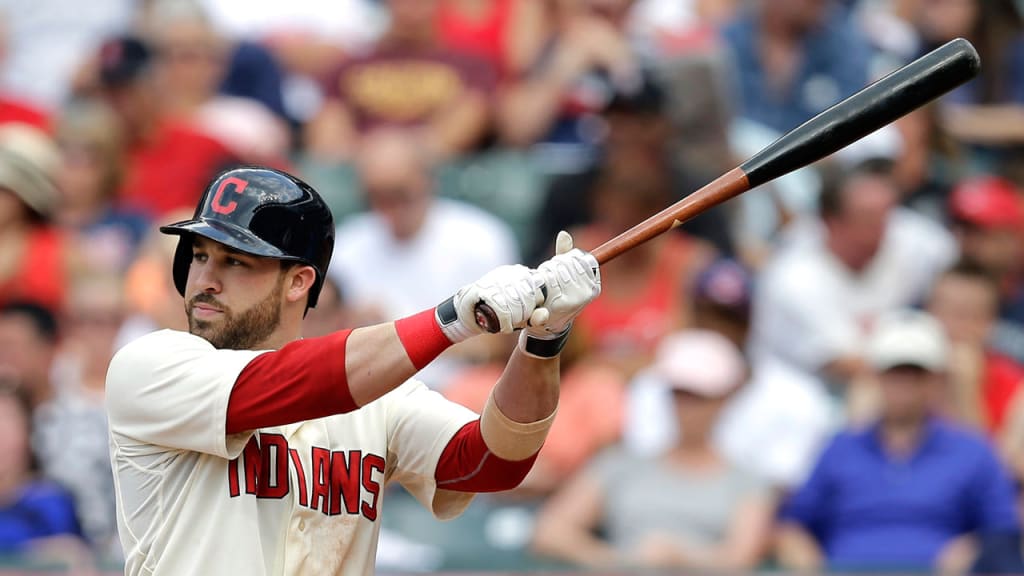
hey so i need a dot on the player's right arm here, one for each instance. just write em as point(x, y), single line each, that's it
point(176, 390)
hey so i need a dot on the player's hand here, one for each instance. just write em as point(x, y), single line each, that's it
point(512, 292)
point(572, 279)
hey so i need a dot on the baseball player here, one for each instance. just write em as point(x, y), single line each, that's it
point(240, 448)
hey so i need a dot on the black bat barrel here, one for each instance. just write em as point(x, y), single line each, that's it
point(878, 104)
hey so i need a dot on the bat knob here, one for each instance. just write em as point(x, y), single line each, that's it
point(486, 318)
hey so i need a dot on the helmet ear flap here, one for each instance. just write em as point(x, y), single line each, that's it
point(182, 262)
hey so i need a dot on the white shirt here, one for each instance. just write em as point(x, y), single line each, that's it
point(777, 425)
point(457, 244)
point(349, 24)
point(773, 427)
point(297, 499)
point(50, 39)
point(809, 309)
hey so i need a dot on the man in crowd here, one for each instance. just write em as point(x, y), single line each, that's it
point(910, 491)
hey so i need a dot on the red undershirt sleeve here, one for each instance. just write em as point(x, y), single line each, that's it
point(301, 381)
point(467, 465)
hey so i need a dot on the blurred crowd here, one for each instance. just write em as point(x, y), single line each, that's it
point(823, 374)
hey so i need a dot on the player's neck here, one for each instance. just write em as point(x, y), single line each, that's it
point(278, 340)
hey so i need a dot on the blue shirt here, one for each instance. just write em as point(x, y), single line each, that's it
point(870, 509)
point(41, 510)
point(834, 65)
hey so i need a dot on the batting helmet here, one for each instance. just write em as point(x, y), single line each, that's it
point(263, 212)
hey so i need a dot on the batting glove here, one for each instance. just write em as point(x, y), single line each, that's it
point(513, 293)
point(572, 279)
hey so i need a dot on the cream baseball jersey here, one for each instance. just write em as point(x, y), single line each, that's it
point(303, 498)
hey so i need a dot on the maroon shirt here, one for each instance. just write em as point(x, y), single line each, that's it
point(403, 88)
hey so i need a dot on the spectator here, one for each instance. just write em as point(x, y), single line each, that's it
point(28, 346)
point(989, 110)
point(308, 39)
point(820, 294)
point(88, 179)
point(775, 425)
point(965, 300)
point(910, 492)
point(37, 517)
point(507, 34)
point(585, 62)
point(71, 429)
point(442, 97)
point(193, 65)
point(685, 509)
point(720, 302)
point(411, 238)
point(167, 162)
point(987, 218)
point(45, 44)
point(34, 257)
point(637, 126)
point(793, 59)
point(633, 313)
point(199, 59)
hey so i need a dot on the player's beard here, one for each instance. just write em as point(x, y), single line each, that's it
point(246, 330)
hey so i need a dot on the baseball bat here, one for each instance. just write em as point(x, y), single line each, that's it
point(874, 106)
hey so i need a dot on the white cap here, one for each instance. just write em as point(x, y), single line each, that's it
point(700, 361)
point(908, 338)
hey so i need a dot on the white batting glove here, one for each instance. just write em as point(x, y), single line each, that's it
point(572, 279)
point(512, 292)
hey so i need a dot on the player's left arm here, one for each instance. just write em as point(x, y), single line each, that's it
point(497, 451)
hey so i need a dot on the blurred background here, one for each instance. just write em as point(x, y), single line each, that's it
point(822, 374)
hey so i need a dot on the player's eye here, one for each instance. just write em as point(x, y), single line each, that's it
point(199, 256)
point(235, 262)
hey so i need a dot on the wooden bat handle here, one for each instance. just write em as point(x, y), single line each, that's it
point(728, 185)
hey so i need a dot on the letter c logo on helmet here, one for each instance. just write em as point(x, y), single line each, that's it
point(217, 204)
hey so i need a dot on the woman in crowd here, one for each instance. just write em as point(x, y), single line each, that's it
point(624, 325)
point(34, 256)
point(686, 508)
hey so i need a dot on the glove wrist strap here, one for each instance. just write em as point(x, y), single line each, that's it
point(544, 347)
point(447, 318)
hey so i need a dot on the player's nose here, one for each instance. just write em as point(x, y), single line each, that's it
point(207, 278)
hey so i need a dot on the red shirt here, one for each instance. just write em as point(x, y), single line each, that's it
point(483, 38)
point(1002, 379)
point(17, 112)
point(637, 323)
point(40, 277)
point(170, 170)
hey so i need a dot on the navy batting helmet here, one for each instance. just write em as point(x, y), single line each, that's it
point(263, 212)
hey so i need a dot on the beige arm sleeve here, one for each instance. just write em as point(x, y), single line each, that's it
point(511, 440)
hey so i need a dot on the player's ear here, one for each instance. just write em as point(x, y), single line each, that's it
point(299, 282)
